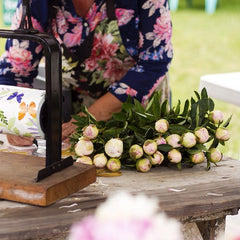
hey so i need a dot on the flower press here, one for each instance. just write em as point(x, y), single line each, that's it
point(32, 179)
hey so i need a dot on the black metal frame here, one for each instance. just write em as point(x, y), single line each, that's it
point(52, 53)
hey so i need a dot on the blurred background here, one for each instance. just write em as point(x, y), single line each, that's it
point(205, 42)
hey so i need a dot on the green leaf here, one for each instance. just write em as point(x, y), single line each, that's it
point(204, 94)
point(164, 108)
point(149, 134)
point(177, 110)
point(179, 129)
point(120, 116)
point(186, 108)
point(201, 147)
point(179, 166)
point(164, 147)
point(197, 94)
point(227, 122)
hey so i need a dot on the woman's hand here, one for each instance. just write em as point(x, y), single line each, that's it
point(102, 109)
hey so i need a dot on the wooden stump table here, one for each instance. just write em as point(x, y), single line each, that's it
point(200, 199)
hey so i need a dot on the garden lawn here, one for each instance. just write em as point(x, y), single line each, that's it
point(206, 44)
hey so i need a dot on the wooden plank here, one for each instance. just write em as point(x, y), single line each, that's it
point(205, 196)
point(18, 173)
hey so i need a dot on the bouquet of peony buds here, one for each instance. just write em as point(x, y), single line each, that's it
point(143, 137)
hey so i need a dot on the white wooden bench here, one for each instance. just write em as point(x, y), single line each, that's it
point(223, 86)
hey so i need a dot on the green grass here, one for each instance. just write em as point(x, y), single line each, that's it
point(206, 44)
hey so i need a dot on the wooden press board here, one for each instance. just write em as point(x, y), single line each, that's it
point(17, 174)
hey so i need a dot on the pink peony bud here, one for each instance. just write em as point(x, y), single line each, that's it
point(222, 134)
point(174, 140)
point(84, 160)
point(202, 134)
point(114, 147)
point(90, 131)
point(135, 151)
point(83, 147)
point(157, 158)
point(160, 140)
point(113, 164)
point(161, 125)
point(174, 156)
point(214, 155)
point(100, 160)
point(143, 165)
point(188, 140)
point(150, 146)
point(197, 157)
point(216, 116)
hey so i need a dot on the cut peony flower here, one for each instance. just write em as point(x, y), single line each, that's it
point(83, 147)
point(216, 116)
point(160, 140)
point(174, 140)
point(90, 131)
point(222, 134)
point(100, 160)
point(161, 125)
point(197, 157)
point(114, 147)
point(84, 160)
point(157, 158)
point(188, 140)
point(174, 156)
point(214, 155)
point(114, 164)
point(202, 134)
point(136, 151)
point(150, 146)
point(143, 165)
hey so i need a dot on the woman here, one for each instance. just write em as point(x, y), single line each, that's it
point(128, 56)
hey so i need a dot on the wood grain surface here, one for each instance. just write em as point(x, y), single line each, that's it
point(190, 195)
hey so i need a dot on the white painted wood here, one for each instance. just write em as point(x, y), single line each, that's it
point(222, 86)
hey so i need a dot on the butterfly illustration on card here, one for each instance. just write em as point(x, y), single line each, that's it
point(17, 96)
point(27, 108)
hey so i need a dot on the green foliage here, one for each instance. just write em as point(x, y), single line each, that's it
point(134, 124)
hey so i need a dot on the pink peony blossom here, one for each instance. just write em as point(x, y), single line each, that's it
point(150, 146)
point(202, 134)
point(143, 165)
point(157, 158)
point(114, 164)
point(216, 116)
point(135, 151)
point(214, 155)
point(222, 134)
point(188, 140)
point(197, 157)
point(114, 147)
point(174, 140)
point(161, 125)
point(84, 160)
point(160, 140)
point(90, 131)
point(174, 156)
point(83, 147)
point(100, 160)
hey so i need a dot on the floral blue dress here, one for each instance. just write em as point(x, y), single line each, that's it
point(129, 56)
